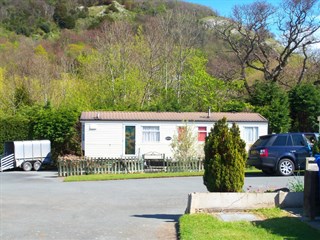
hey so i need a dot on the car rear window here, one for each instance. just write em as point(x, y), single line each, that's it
point(262, 141)
point(280, 141)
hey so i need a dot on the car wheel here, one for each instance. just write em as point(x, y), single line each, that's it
point(268, 171)
point(36, 165)
point(285, 167)
point(27, 166)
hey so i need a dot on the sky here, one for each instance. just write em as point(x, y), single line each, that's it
point(224, 7)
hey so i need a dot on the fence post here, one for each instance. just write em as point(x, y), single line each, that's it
point(311, 189)
point(59, 165)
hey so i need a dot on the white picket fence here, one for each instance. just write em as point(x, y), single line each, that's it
point(84, 166)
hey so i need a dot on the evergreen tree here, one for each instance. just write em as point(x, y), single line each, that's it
point(305, 107)
point(272, 102)
point(63, 17)
point(225, 158)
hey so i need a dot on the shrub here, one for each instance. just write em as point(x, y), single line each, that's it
point(296, 184)
point(225, 158)
point(184, 144)
point(316, 147)
point(13, 128)
point(60, 127)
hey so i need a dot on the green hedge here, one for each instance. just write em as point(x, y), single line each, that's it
point(60, 126)
point(13, 128)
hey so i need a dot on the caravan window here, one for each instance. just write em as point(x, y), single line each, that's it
point(250, 134)
point(150, 134)
point(202, 134)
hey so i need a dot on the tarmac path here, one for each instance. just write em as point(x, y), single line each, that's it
point(39, 205)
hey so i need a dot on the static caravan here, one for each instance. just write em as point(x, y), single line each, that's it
point(124, 134)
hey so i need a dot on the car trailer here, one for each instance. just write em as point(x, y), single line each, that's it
point(27, 155)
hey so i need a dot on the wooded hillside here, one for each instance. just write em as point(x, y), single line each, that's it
point(71, 56)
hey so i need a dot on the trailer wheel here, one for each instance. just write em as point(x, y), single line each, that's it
point(27, 166)
point(36, 165)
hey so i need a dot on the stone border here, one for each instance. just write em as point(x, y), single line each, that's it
point(221, 201)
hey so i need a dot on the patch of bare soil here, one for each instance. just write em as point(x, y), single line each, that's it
point(168, 231)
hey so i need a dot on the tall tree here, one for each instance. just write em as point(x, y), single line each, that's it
point(117, 65)
point(305, 107)
point(186, 32)
point(272, 102)
point(150, 42)
point(249, 37)
point(199, 90)
point(248, 27)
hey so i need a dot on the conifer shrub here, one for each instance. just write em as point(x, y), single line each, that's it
point(225, 158)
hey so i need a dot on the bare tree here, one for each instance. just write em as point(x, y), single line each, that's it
point(249, 36)
point(186, 32)
point(248, 27)
point(150, 41)
point(115, 46)
point(297, 25)
point(312, 73)
point(169, 40)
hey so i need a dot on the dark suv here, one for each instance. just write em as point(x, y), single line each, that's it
point(280, 153)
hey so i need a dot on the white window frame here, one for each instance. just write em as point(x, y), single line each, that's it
point(251, 134)
point(83, 129)
point(150, 134)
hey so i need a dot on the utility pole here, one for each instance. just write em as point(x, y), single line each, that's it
point(319, 123)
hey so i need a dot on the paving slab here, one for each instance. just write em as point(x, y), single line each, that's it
point(237, 216)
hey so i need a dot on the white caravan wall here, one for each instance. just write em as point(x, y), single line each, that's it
point(106, 139)
point(103, 139)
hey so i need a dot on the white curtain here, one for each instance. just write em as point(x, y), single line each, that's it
point(251, 134)
point(150, 134)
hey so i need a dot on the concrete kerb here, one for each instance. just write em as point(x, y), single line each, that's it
point(221, 201)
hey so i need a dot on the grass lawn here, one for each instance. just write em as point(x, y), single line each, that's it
point(278, 224)
point(104, 177)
